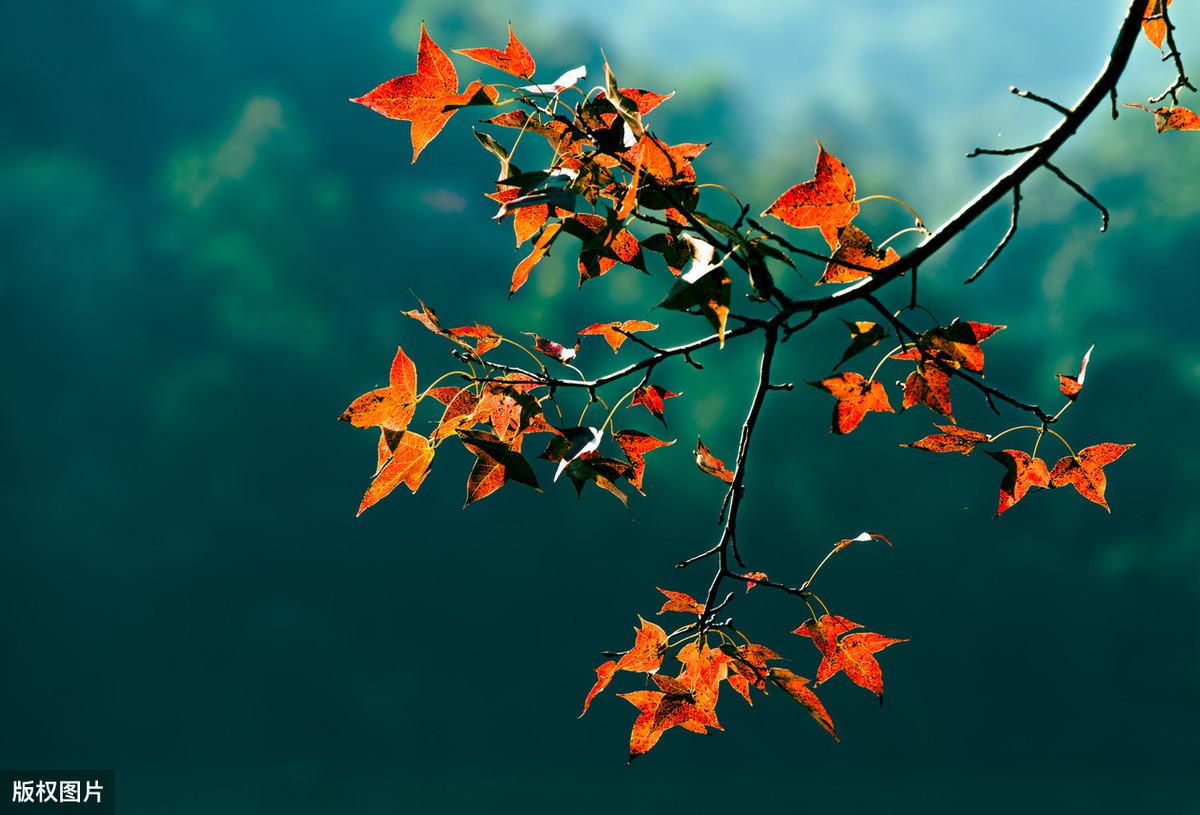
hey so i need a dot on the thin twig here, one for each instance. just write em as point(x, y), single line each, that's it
point(1030, 95)
point(1087, 196)
point(1012, 230)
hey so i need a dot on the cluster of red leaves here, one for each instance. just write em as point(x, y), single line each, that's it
point(689, 699)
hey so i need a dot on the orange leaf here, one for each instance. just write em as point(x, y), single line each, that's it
point(1171, 118)
point(854, 654)
point(515, 59)
point(855, 247)
point(825, 630)
point(427, 98)
point(485, 336)
point(391, 407)
point(856, 397)
point(1071, 386)
point(1085, 472)
point(797, 687)
point(604, 675)
point(412, 456)
point(1023, 472)
point(708, 463)
point(952, 439)
point(826, 202)
point(648, 649)
point(753, 578)
point(635, 444)
point(496, 464)
point(678, 601)
point(659, 712)
point(1155, 30)
point(540, 248)
point(669, 164)
point(929, 385)
point(651, 397)
point(615, 334)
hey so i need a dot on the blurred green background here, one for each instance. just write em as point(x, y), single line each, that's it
point(205, 252)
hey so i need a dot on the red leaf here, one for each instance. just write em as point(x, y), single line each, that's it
point(856, 397)
point(612, 332)
point(651, 397)
point(604, 675)
point(552, 349)
point(826, 202)
point(854, 654)
point(411, 458)
point(1085, 472)
point(753, 578)
point(427, 98)
point(929, 385)
point(708, 463)
point(855, 247)
point(1071, 386)
point(797, 687)
point(635, 444)
point(485, 336)
point(540, 248)
point(952, 439)
point(825, 630)
point(1023, 472)
point(515, 59)
point(1172, 118)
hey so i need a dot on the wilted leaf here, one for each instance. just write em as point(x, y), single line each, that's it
point(678, 601)
point(856, 397)
point(1072, 385)
point(555, 350)
point(1172, 118)
point(540, 248)
point(708, 463)
point(604, 674)
point(797, 687)
point(563, 82)
point(863, 335)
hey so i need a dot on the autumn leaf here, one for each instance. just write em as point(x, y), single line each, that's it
point(426, 317)
point(555, 350)
point(952, 439)
point(1171, 118)
point(678, 601)
point(748, 667)
point(540, 248)
point(1156, 29)
point(515, 59)
point(411, 458)
point(703, 291)
point(929, 385)
point(605, 243)
point(496, 464)
point(956, 345)
point(1023, 472)
point(635, 445)
point(573, 443)
point(862, 537)
point(485, 337)
point(854, 654)
point(646, 655)
point(596, 469)
point(708, 463)
point(1071, 386)
point(704, 670)
point(854, 247)
point(427, 98)
point(460, 413)
point(753, 579)
point(659, 712)
point(651, 397)
point(392, 407)
point(669, 164)
point(645, 101)
point(604, 674)
point(856, 397)
point(825, 630)
point(826, 202)
point(1085, 471)
point(615, 334)
point(864, 334)
point(565, 81)
point(797, 687)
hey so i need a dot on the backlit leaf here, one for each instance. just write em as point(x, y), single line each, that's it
point(708, 463)
point(411, 458)
point(651, 397)
point(952, 439)
point(1023, 472)
point(856, 397)
point(826, 202)
point(1085, 472)
point(515, 59)
point(635, 444)
point(855, 247)
point(797, 687)
point(678, 601)
point(615, 334)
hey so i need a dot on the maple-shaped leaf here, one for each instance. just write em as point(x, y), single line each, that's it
point(705, 290)
point(635, 445)
point(704, 670)
point(1071, 386)
point(675, 249)
point(496, 464)
point(678, 601)
point(615, 334)
point(604, 674)
point(554, 350)
point(596, 469)
point(651, 397)
point(669, 164)
point(540, 248)
point(1153, 24)
point(864, 334)
point(1022, 473)
point(645, 101)
point(412, 455)
point(708, 463)
point(526, 220)
point(515, 59)
point(460, 413)
point(825, 630)
point(956, 345)
point(427, 98)
point(855, 655)
point(1171, 118)
point(658, 712)
point(392, 407)
point(571, 444)
point(855, 247)
point(605, 243)
point(826, 202)
point(1085, 471)
point(929, 385)
point(797, 687)
point(952, 439)
point(856, 397)
point(649, 646)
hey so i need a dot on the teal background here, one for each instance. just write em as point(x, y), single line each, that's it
point(205, 252)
